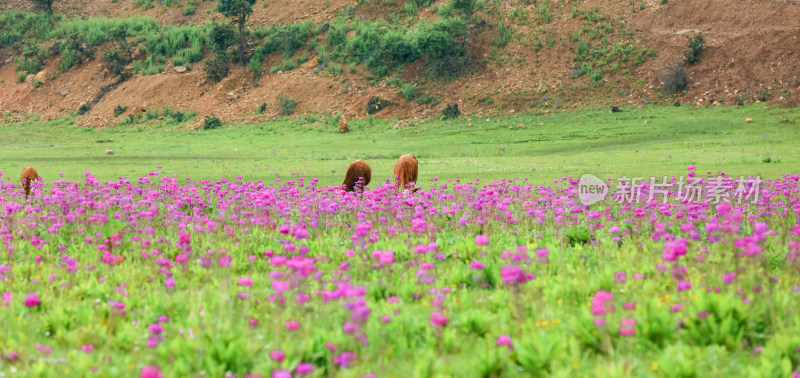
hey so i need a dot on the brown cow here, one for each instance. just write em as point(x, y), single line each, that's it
point(405, 172)
point(342, 124)
point(29, 174)
point(358, 170)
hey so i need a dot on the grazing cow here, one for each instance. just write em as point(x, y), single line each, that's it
point(358, 170)
point(29, 174)
point(342, 124)
point(405, 172)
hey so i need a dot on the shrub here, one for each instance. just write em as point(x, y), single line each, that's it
point(261, 108)
point(444, 44)
point(188, 10)
point(83, 109)
point(43, 5)
point(144, 4)
point(287, 105)
point(465, 7)
point(175, 115)
point(391, 52)
point(409, 91)
point(694, 47)
point(72, 50)
point(211, 122)
point(376, 104)
point(427, 99)
point(130, 120)
point(217, 67)
point(150, 66)
point(581, 51)
point(674, 78)
point(115, 61)
point(119, 110)
point(544, 11)
point(336, 69)
point(32, 59)
point(287, 39)
point(503, 35)
point(151, 113)
point(37, 82)
point(221, 37)
point(451, 112)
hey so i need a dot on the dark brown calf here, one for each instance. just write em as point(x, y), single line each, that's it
point(405, 172)
point(358, 170)
point(29, 174)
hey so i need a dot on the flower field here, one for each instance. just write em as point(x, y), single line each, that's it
point(177, 278)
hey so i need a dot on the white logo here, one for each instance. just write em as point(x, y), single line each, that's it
point(591, 189)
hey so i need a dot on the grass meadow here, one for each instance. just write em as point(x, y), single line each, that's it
point(170, 259)
point(653, 141)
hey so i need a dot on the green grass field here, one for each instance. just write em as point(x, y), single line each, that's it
point(652, 141)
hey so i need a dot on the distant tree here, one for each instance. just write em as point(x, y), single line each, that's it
point(238, 10)
point(45, 5)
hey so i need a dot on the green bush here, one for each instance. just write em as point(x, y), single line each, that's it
point(427, 99)
point(392, 51)
point(144, 4)
point(17, 27)
point(83, 109)
point(221, 36)
point(286, 39)
point(115, 61)
point(27, 66)
point(581, 51)
point(32, 58)
point(409, 91)
point(44, 5)
point(211, 122)
point(72, 51)
point(450, 112)
point(119, 110)
point(694, 47)
point(174, 115)
point(544, 12)
point(444, 44)
point(503, 35)
point(286, 104)
point(216, 68)
point(465, 7)
point(336, 69)
point(150, 66)
point(151, 113)
point(188, 10)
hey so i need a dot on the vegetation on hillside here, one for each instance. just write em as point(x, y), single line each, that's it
point(383, 46)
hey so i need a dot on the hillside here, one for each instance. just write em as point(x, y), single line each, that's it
point(528, 55)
